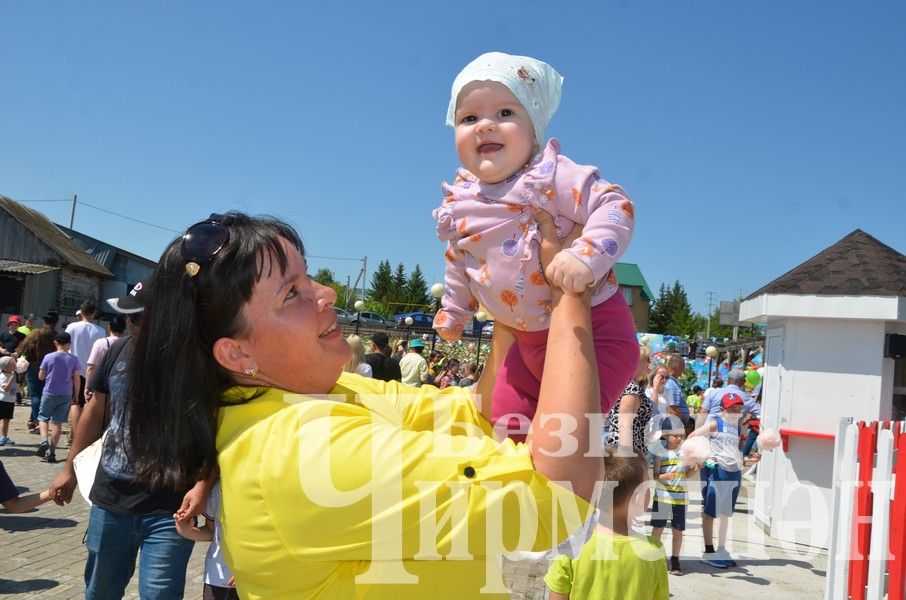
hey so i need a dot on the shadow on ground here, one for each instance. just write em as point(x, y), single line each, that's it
point(25, 523)
point(19, 451)
point(29, 585)
point(740, 572)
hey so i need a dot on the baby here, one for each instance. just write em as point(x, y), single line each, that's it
point(500, 106)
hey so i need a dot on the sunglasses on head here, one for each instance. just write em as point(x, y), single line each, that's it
point(202, 241)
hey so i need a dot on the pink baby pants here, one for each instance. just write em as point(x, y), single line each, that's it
point(519, 380)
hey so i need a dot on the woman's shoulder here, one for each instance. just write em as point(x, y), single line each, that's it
point(633, 389)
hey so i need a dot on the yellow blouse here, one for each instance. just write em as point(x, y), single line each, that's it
point(379, 490)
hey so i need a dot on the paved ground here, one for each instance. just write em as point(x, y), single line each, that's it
point(42, 552)
point(766, 569)
point(43, 556)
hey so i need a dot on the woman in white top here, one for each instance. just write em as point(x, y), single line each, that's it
point(357, 363)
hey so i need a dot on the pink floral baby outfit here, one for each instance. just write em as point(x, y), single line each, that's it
point(492, 258)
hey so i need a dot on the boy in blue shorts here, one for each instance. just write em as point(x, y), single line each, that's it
point(60, 371)
point(670, 499)
point(721, 478)
point(615, 562)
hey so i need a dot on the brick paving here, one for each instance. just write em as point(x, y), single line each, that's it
point(43, 553)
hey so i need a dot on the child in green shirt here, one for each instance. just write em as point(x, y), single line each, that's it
point(615, 562)
point(694, 400)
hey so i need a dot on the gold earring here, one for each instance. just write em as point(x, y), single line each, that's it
point(252, 372)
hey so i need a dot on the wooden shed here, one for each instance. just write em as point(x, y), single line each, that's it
point(41, 268)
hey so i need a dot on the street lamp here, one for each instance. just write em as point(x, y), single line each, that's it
point(481, 317)
point(408, 321)
point(437, 291)
point(710, 352)
point(359, 307)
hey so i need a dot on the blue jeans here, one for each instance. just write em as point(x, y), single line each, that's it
point(35, 389)
point(113, 541)
point(750, 444)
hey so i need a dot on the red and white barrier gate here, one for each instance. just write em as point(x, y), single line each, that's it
point(867, 555)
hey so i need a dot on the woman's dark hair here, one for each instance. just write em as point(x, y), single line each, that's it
point(175, 383)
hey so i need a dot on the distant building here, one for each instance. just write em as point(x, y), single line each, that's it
point(128, 269)
point(41, 268)
point(636, 292)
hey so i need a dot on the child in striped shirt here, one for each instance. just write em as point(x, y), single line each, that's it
point(670, 490)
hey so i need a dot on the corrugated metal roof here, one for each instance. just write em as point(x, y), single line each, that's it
point(630, 274)
point(14, 266)
point(103, 252)
point(51, 235)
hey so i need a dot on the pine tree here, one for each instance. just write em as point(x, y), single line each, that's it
point(417, 290)
point(659, 316)
point(382, 282)
point(672, 312)
point(681, 317)
point(396, 298)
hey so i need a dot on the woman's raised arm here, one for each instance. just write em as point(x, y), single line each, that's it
point(560, 436)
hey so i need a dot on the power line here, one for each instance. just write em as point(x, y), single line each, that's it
point(129, 218)
point(120, 215)
point(307, 255)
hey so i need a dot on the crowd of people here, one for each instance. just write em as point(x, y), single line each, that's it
point(410, 367)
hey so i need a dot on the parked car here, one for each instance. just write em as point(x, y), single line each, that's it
point(420, 321)
point(487, 328)
point(368, 318)
point(343, 317)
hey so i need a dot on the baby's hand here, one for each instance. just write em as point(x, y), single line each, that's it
point(569, 273)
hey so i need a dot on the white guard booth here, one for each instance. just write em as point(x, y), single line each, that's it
point(829, 322)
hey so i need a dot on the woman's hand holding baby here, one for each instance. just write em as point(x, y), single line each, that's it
point(561, 269)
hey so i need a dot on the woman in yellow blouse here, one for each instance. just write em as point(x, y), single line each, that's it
point(334, 485)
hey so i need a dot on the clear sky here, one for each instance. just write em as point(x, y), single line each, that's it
point(750, 135)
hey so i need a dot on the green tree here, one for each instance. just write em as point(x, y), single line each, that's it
point(396, 299)
point(382, 282)
point(417, 290)
point(672, 312)
point(659, 315)
point(324, 276)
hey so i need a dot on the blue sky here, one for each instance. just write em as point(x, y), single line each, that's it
point(749, 135)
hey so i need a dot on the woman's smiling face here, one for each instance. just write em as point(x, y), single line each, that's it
point(293, 336)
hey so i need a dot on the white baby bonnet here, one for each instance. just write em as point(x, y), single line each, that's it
point(535, 84)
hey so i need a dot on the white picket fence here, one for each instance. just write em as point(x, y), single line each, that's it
point(867, 554)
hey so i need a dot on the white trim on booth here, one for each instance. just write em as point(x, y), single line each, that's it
point(874, 308)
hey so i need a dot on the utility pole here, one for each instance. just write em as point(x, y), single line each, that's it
point(739, 292)
point(711, 296)
point(364, 275)
point(75, 197)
